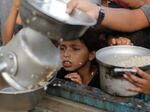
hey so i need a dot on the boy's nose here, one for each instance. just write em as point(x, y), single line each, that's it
point(67, 53)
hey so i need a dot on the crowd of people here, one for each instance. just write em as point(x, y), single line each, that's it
point(124, 22)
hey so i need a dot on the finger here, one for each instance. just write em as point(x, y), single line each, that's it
point(126, 76)
point(134, 79)
point(118, 42)
point(70, 76)
point(71, 5)
point(129, 42)
point(142, 74)
point(125, 41)
point(135, 89)
point(77, 81)
point(130, 80)
point(113, 41)
point(73, 75)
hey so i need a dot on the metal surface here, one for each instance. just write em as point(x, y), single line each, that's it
point(109, 58)
point(96, 97)
point(18, 101)
point(57, 9)
point(10, 59)
point(125, 70)
point(37, 60)
point(50, 18)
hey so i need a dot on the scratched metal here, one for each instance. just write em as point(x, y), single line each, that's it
point(96, 98)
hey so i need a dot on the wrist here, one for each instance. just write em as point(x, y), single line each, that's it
point(100, 16)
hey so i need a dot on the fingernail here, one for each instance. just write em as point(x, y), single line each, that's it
point(125, 76)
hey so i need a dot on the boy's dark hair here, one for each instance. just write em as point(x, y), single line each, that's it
point(91, 39)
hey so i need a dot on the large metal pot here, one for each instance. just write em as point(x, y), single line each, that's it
point(50, 18)
point(29, 60)
point(109, 58)
point(19, 101)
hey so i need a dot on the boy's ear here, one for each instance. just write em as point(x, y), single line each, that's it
point(92, 55)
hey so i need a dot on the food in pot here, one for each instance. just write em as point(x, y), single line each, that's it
point(135, 61)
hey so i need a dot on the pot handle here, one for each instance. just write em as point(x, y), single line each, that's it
point(118, 72)
point(125, 70)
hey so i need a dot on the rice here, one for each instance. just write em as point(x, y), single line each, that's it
point(135, 61)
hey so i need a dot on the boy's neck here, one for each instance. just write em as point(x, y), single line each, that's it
point(86, 73)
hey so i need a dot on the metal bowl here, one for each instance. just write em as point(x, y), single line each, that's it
point(50, 18)
point(18, 101)
point(109, 58)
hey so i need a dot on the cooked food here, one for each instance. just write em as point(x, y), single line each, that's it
point(135, 61)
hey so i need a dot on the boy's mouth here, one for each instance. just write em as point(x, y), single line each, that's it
point(67, 64)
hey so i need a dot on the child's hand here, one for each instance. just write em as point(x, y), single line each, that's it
point(118, 41)
point(142, 82)
point(75, 77)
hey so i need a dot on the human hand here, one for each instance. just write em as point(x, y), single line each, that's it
point(84, 5)
point(142, 82)
point(118, 41)
point(75, 77)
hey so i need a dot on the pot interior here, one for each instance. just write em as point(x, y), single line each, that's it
point(124, 56)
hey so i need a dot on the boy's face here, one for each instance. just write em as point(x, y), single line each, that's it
point(74, 55)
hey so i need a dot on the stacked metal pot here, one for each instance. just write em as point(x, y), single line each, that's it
point(30, 60)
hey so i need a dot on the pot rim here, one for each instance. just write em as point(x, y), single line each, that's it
point(101, 62)
point(20, 91)
point(69, 18)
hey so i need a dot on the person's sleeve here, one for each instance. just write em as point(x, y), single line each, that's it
point(146, 10)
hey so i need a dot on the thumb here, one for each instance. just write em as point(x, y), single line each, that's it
point(70, 6)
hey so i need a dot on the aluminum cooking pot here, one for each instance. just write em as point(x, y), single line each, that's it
point(29, 60)
point(111, 69)
point(19, 101)
point(50, 18)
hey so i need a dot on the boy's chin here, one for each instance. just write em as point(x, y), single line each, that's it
point(69, 69)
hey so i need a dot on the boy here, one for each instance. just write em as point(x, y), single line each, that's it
point(78, 59)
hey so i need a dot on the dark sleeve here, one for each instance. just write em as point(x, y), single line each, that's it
point(61, 74)
point(95, 82)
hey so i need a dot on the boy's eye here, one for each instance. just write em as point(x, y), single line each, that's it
point(62, 48)
point(76, 49)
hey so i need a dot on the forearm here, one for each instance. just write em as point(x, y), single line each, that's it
point(119, 19)
point(9, 25)
point(124, 20)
